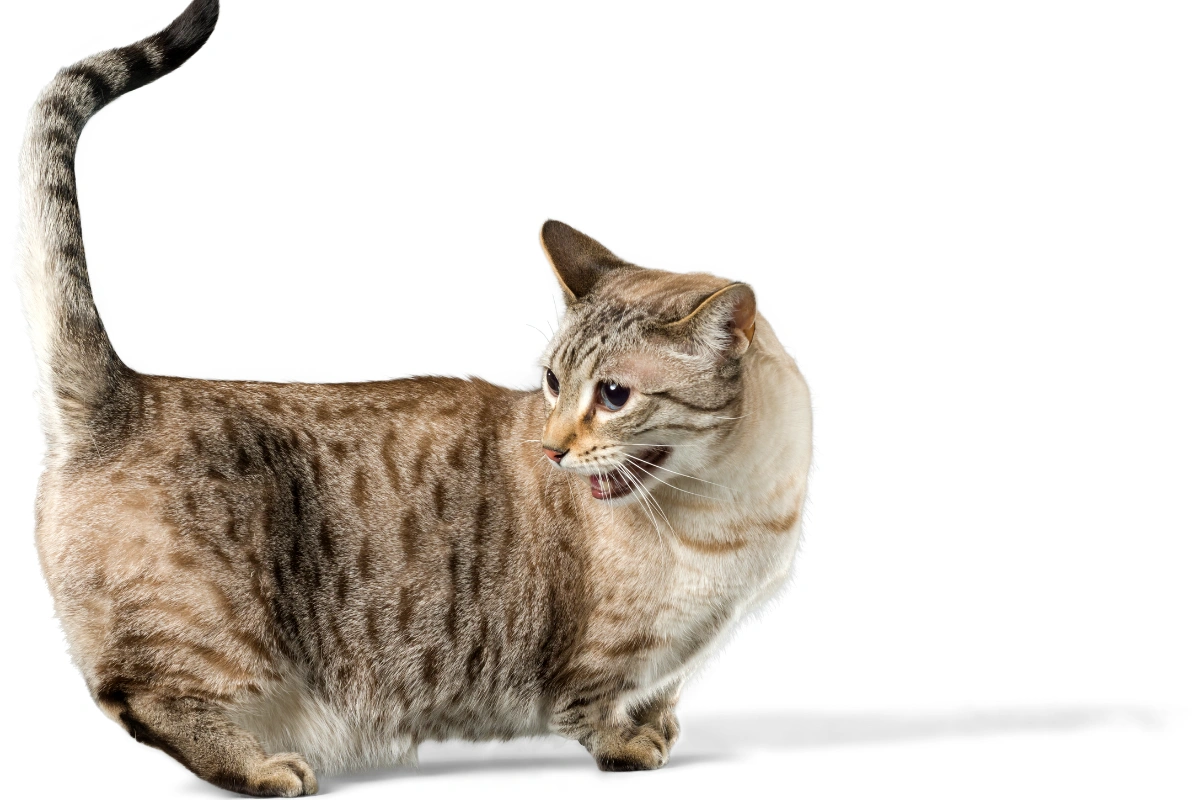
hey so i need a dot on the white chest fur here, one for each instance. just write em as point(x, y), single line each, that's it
point(731, 555)
point(710, 591)
point(672, 585)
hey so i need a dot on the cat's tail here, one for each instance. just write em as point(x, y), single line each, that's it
point(84, 385)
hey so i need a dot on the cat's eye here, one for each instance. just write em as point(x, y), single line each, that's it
point(552, 382)
point(613, 395)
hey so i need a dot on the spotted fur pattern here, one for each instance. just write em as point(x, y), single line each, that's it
point(263, 580)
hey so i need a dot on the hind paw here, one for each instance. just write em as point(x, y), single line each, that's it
point(280, 775)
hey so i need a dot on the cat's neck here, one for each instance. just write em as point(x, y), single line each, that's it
point(764, 467)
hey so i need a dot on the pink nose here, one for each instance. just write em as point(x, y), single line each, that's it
point(554, 455)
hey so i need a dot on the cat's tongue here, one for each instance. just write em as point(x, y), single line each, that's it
point(610, 486)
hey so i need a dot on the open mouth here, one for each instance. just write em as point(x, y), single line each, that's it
point(611, 485)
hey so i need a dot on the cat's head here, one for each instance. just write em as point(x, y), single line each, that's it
point(644, 377)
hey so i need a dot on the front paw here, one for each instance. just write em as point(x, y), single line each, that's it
point(643, 747)
point(662, 720)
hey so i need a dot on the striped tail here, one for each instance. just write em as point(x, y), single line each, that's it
point(85, 389)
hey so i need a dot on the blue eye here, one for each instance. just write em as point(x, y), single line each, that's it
point(552, 382)
point(613, 395)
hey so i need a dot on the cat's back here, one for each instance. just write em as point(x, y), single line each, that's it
point(355, 441)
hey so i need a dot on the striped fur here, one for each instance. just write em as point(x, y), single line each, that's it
point(264, 580)
point(81, 375)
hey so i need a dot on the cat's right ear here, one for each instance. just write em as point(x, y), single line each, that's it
point(579, 261)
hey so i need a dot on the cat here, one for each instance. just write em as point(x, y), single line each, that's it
point(264, 580)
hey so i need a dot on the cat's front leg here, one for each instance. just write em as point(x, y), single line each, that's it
point(628, 748)
point(659, 714)
point(622, 740)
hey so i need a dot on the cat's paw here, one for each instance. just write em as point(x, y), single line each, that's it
point(664, 721)
point(281, 775)
point(644, 747)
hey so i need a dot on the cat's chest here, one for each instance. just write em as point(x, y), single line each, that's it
point(714, 581)
point(735, 556)
point(711, 589)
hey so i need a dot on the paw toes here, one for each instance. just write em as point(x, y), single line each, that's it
point(647, 750)
point(619, 764)
point(284, 775)
point(671, 731)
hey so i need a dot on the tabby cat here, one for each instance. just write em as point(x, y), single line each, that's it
point(264, 580)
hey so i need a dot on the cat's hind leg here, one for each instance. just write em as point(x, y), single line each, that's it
point(198, 734)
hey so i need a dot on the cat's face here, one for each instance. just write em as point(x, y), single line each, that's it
point(643, 380)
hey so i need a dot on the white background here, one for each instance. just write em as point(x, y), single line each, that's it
point(974, 225)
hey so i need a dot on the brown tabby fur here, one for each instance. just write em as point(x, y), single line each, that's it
point(254, 577)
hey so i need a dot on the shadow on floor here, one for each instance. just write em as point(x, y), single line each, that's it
point(710, 738)
point(797, 730)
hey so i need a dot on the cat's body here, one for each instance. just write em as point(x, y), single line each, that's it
point(341, 571)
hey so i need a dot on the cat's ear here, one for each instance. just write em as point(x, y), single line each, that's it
point(723, 323)
point(579, 261)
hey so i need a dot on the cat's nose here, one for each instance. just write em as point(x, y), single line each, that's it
point(554, 455)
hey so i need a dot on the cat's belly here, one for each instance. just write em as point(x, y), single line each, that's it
point(347, 734)
point(288, 718)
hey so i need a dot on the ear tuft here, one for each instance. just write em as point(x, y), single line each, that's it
point(723, 323)
point(579, 261)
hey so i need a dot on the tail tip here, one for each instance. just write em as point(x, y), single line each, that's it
point(182, 38)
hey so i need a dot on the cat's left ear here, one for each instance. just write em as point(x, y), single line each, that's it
point(723, 323)
point(579, 261)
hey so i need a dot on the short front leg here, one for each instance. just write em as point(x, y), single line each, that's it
point(659, 714)
point(622, 741)
point(627, 748)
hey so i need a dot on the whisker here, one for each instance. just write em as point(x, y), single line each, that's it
point(637, 496)
point(680, 474)
point(638, 489)
point(650, 498)
point(612, 518)
point(539, 330)
point(554, 475)
point(652, 444)
point(646, 493)
point(676, 488)
point(574, 501)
